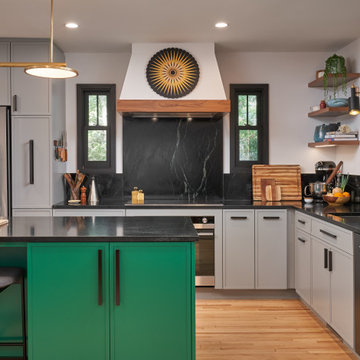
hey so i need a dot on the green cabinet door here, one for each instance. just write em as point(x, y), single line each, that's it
point(66, 320)
point(154, 317)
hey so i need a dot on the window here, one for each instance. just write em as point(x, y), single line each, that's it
point(249, 140)
point(96, 127)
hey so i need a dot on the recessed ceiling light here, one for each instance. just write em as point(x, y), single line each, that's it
point(72, 25)
point(221, 25)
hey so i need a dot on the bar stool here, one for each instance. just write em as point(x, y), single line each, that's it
point(10, 276)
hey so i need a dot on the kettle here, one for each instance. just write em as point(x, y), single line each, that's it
point(93, 195)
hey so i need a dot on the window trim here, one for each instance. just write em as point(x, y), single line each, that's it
point(96, 167)
point(263, 125)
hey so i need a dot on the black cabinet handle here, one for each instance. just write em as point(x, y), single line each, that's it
point(239, 218)
point(100, 281)
point(302, 240)
point(328, 234)
point(117, 276)
point(330, 261)
point(15, 104)
point(302, 222)
point(325, 258)
point(31, 161)
point(271, 217)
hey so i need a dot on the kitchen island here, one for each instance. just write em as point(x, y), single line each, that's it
point(104, 288)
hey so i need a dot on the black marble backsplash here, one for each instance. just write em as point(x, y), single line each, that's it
point(173, 158)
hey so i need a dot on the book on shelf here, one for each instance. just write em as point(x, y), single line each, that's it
point(338, 133)
point(340, 139)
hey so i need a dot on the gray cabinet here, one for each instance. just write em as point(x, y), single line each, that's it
point(303, 265)
point(271, 249)
point(30, 95)
point(4, 74)
point(239, 249)
point(31, 162)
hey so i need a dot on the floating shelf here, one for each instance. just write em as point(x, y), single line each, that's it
point(330, 112)
point(319, 83)
point(334, 143)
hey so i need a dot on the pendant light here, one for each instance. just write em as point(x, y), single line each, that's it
point(354, 106)
point(50, 70)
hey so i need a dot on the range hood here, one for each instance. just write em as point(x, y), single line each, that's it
point(208, 98)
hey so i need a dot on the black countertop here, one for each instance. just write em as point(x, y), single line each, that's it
point(98, 229)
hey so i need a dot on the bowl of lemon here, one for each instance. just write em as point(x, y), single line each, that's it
point(338, 196)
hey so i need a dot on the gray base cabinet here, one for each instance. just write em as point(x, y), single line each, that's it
point(271, 249)
point(239, 249)
point(4, 74)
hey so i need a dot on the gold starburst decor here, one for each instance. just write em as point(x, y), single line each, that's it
point(172, 73)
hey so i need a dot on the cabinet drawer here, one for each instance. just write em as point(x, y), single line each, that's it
point(332, 234)
point(302, 222)
point(88, 212)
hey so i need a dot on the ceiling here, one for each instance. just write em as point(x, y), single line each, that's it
point(254, 25)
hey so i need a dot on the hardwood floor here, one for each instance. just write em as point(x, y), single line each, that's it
point(263, 329)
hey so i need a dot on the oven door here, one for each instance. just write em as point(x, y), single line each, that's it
point(205, 258)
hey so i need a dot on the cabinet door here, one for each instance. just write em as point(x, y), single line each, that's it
point(239, 249)
point(320, 278)
point(66, 317)
point(31, 164)
point(4, 74)
point(30, 94)
point(154, 316)
point(342, 295)
point(303, 265)
point(271, 249)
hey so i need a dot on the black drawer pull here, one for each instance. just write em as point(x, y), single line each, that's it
point(302, 222)
point(271, 217)
point(31, 161)
point(330, 261)
point(117, 276)
point(325, 258)
point(302, 240)
point(15, 103)
point(100, 282)
point(328, 234)
point(239, 218)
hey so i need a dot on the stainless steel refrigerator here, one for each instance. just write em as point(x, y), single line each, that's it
point(5, 162)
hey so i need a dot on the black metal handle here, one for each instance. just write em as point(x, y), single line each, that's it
point(238, 217)
point(15, 104)
point(302, 222)
point(117, 276)
point(271, 217)
point(31, 161)
point(328, 234)
point(326, 258)
point(100, 277)
point(302, 240)
point(330, 261)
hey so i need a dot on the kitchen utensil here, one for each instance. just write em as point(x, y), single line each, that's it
point(316, 189)
point(334, 172)
point(93, 195)
point(273, 193)
point(287, 177)
point(308, 200)
point(264, 184)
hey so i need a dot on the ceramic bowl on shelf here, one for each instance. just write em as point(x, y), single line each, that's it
point(339, 102)
point(336, 201)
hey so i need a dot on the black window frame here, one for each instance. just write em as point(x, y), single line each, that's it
point(96, 167)
point(262, 91)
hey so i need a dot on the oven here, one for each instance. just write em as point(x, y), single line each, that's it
point(204, 250)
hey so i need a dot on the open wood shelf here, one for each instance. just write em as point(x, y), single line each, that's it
point(319, 83)
point(329, 112)
point(334, 143)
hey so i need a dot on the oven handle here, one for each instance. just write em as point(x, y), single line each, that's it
point(203, 234)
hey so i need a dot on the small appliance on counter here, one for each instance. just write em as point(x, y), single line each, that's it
point(323, 169)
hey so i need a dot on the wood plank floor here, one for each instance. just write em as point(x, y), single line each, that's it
point(263, 329)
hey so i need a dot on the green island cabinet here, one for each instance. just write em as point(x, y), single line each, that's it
point(118, 301)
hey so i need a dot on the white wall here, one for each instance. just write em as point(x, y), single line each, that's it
point(350, 154)
point(106, 68)
point(289, 100)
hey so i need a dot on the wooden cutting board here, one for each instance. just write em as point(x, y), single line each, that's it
point(288, 177)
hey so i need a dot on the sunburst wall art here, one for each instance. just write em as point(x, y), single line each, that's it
point(172, 73)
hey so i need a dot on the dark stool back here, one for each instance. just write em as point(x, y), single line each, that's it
point(8, 277)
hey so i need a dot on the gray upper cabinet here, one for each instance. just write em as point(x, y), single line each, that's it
point(239, 249)
point(31, 162)
point(271, 249)
point(30, 95)
point(4, 74)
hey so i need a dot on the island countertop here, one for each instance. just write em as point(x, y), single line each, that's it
point(98, 229)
